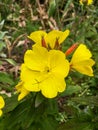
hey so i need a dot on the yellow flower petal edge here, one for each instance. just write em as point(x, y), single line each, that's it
point(81, 60)
point(1, 112)
point(89, 2)
point(21, 90)
point(56, 37)
point(52, 85)
point(37, 54)
point(29, 78)
point(2, 104)
point(41, 38)
point(44, 71)
point(37, 36)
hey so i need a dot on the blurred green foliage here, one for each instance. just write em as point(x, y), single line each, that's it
point(78, 105)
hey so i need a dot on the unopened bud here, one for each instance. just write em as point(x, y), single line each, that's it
point(43, 42)
point(71, 49)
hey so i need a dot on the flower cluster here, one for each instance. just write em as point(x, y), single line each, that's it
point(52, 40)
point(87, 2)
point(43, 71)
point(45, 67)
point(2, 104)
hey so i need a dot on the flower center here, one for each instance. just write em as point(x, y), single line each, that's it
point(46, 69)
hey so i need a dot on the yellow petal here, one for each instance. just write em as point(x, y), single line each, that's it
point(81, 53)
point(58, 63)
point(51, 86)
point(52, 37)
point(26, 74)
point(43, 71)
point(37, 36)
point(81, 60)
point(22, 95)
point(56, 35)
point(29, 77)
point(2, 103)
point(90, 2)
point(32, 86)
point(64, 36)
point(36, 59)
point(61, 84)
point(22, 91)
point(81, 2)
point(1, 112)
point(84, 67)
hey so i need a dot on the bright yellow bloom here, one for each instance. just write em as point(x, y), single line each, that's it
point(88, 2)
point(49, 40)
point(81, 60)
point(2, 104)
point(20, 89)
point(44, 71)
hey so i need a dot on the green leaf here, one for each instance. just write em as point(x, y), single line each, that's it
point(75, 125)
point(1, 124)
point(52, 106)
point(48, 123)
point(52, 7)
point(2, 45)
point(67, 5)
point(1, 62)
point(1, 24)
point(11, 61)
point(5, 78)
point(90, 34)
point(90, 100)
point(71, 89)
point(39, 99)
point(17, 115)
point(10, 103)
point(2, 34)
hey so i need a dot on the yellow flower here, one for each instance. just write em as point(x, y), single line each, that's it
point(51, 40)
point(44, 71)
point(20, 89)
point(81, 60)
point(88, 2)
point(2, 104)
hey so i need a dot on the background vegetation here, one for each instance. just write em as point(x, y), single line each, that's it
point(78, 105)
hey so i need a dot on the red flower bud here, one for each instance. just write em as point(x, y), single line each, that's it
point(71, 49)
point(43, 42)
